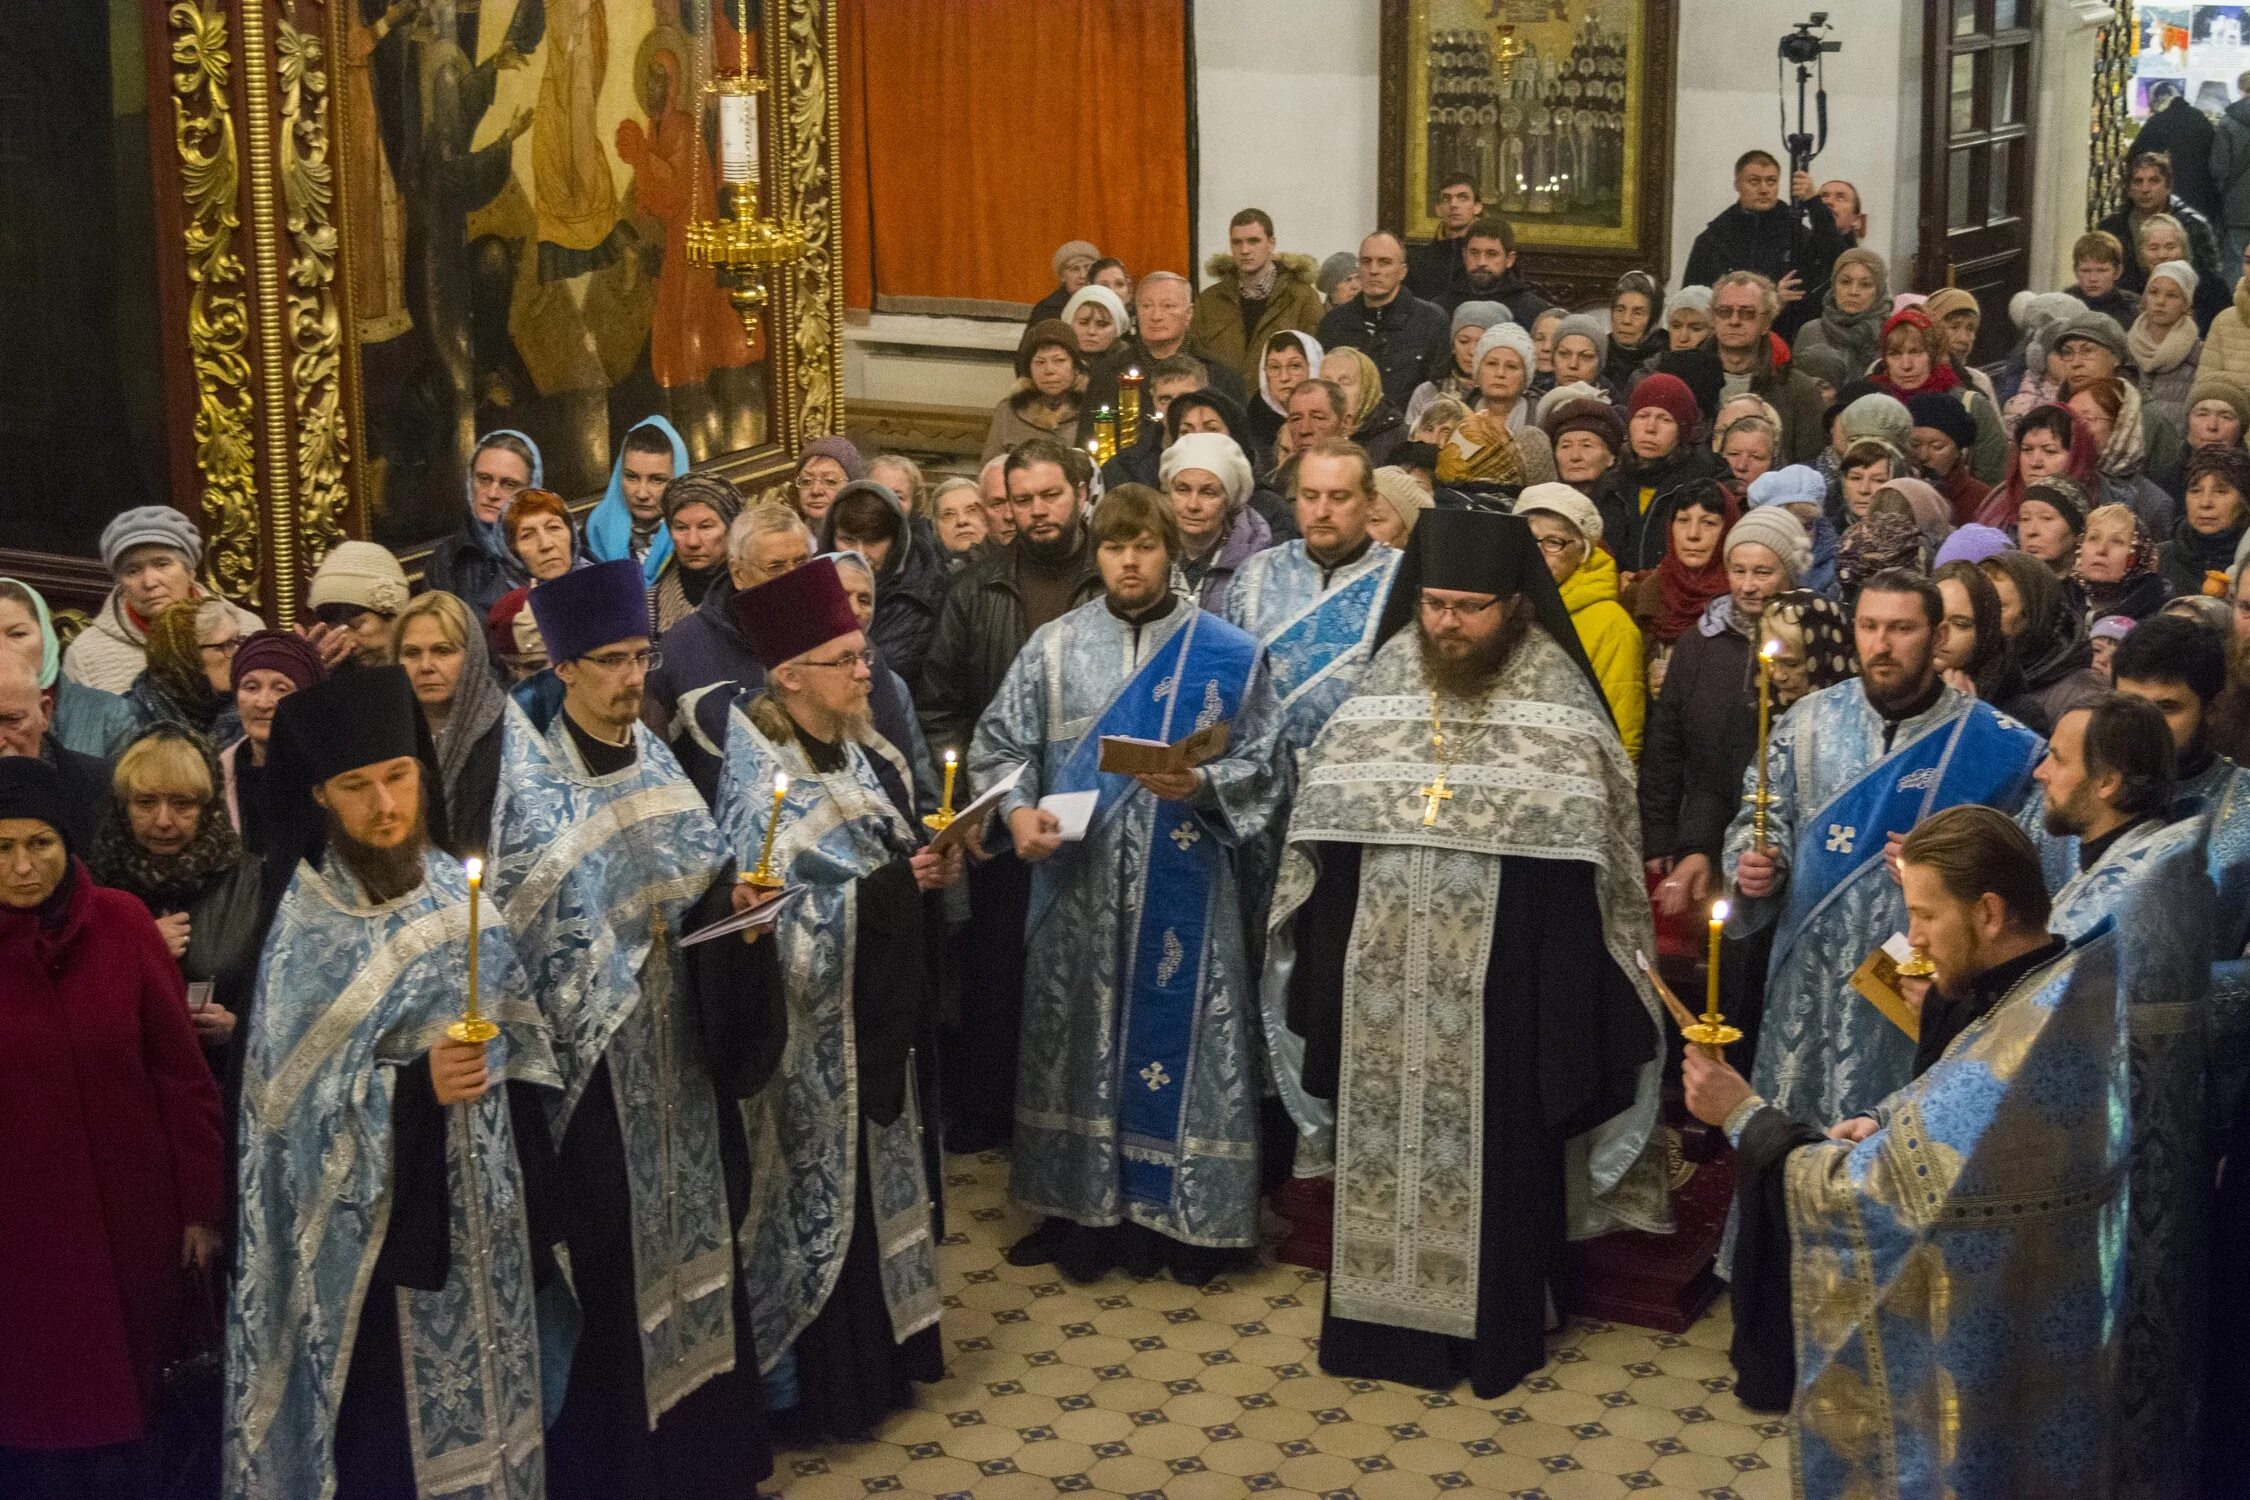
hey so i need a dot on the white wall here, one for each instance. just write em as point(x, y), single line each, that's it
point(1727, 105)
point(1287, 99)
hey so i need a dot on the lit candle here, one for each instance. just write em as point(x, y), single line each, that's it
point(738, 137)
point(1766, 655)
point(763, 875)
point(1129, 407)
point(952, 765)
point(1711, 988)
point(473, 1027)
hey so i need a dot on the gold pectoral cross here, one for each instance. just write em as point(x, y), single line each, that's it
point(1431, 796)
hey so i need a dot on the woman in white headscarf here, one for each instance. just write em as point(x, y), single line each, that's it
point(1291, 357)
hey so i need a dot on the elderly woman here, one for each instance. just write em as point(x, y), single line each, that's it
point(2163, 341)
point(825, 466)
point(2110, 411)
point(1096, 318)
point(1917, 358)
point(81, 718)
point(697, 509)
point(2218, 414)
point(1954, 313)
point(1372, 421)
point(1399, 500)
point(2213, 520)
point(1578, 352)
point(542, 535)
point(1813, 645)
point(1636, 329)
point(475, 564)
point(1207, 481)
point(151, 554)
point(1668, 600)
point(1451, 371)
point(1687, 318)
point(957, 517)
point(191, 648)
point(1662, 460)
point(1050, 389)
point(2116, 569)
point(1852, 311)
point(114, 1176)
point(902, 757)
point(2048, 640)
point(165, 838)
point(910, 580)
point(2160, 239)
point(1291, 358)
point(2051, 521)
point(1497, 446)
point(1885, 537)
point(1703, 725)
point(268, 666)
point(1568, 530)
point(1748, 447)
point(358, 590)
point(449, 665)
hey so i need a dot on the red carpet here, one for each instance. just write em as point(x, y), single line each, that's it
point(1660, 1281)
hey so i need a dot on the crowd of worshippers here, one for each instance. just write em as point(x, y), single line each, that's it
point(1303, 806)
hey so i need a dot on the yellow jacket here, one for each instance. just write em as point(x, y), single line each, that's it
point(1612, 642)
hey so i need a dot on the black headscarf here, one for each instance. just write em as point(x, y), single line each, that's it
point(1481, 552)
point(2053, 641)
point(354, 719)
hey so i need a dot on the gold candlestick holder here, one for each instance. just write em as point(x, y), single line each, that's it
point(1917, 966)
point(1129, 407)
point(473, 1027)
point(1105, 433)
point(763, 878)
point(1712, 1030)
point(745, 245)
point(942, 819)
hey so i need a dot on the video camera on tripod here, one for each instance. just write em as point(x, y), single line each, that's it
point(1806, 47)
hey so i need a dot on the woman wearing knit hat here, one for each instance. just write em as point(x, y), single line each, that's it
point(151, 553)
point(698, 509)
point(2213, 520)
point(1497, 447)
point(1954, 312)
point(1568, 530)
point(2218, 413)
point(1687, 318)
point(1073, 264)
point(1578, 350)
point(1662, 460)
point(1702, 727)
point(1207, 479)
point(2050, 522)
point(359, 588)
point(1452, 370)
point(1636, 329)
point(1050, 388)
point(1940, 440)
point(2164, 343)
point(268, 666)
point(1400, 499)
point(1338, 278)
point(824, 466)
point(1096, 318)
point(1852, 311)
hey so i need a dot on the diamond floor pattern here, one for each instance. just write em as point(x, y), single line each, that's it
point(1141, 1388)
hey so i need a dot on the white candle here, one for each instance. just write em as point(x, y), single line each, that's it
point(738, 137)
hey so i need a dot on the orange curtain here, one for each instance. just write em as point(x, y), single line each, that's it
point(981, 134)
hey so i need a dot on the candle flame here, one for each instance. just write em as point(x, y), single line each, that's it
point(780, 782)
point(1133, 372)
point(474, 869)
point(951, 757)
point(1718, 912)
point(1771, 650)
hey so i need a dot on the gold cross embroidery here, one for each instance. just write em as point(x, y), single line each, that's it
point(1437, 791)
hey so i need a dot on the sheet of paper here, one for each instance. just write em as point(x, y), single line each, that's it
point(973, 815)
point(1074, 810)
point(1898, 947)
point(763, 915)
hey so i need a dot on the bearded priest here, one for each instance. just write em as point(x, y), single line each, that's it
point(1460, 918)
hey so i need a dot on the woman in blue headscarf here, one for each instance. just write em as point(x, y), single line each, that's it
point(630, 520)
point(82, 718)
point(475, 563)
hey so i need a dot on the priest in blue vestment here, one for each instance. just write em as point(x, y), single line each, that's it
point(381, 1337)
point(1851, 769)
point(838, 1242)
point(600, 850)
point(1136, 1103)
point(1935, 1289)
point(1462, 918)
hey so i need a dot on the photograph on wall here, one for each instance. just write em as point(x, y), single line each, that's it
point(517, 179)
point(1540, 102)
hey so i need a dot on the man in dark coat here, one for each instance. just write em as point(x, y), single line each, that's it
point(994, 605)
point(2180, 131)
point(1487, 273)
point(1397, 329)
point(1791, 244)
point(27, 729)
point(2152, 187)
point(1432, 265)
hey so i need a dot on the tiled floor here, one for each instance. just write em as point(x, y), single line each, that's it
point(1129, 1388)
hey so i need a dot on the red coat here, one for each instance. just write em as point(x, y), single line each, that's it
point(111, 1122)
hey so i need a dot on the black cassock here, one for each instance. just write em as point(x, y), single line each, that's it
point(1565, 1035)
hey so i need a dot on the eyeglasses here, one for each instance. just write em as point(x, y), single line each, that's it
point(849, 660)
point(1735, 314)
point(618, 661)
point(1555, 546)
point(1461, 612)
point(220, 650)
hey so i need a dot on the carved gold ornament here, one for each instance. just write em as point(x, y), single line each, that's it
point(218, 308)
point(315, 324)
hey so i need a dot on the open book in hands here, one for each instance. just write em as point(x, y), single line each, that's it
point(1127, 756)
